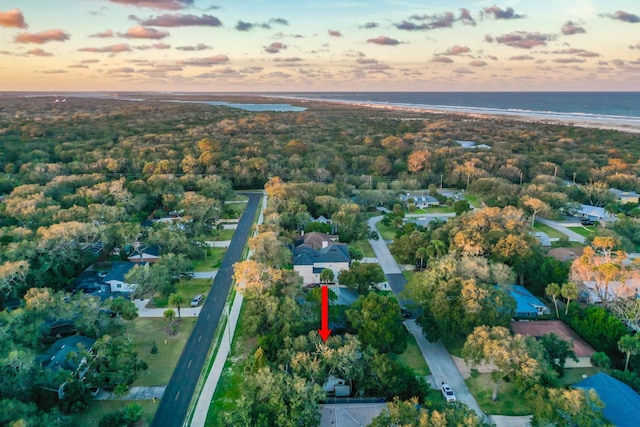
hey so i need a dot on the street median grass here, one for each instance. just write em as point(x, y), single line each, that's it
point(509, 401)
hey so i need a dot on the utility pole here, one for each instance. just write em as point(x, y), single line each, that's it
point(441, 176)
point(521, 174)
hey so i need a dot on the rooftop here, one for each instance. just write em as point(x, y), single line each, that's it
point(525, 301)
point(622, 403)
point(538, 328)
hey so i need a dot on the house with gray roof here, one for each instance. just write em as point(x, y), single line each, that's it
point(420, 200)
point(621, 402)
point(625, 196)
point(115, 277)
point(314, 252)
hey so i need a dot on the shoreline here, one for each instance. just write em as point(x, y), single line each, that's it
point(621, 124)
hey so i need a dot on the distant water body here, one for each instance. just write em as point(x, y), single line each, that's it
point(614, 107)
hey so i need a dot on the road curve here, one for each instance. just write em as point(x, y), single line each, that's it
point(173, 407)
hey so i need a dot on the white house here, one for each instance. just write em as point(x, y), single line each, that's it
point(314, 252)
point(115, 277)
point(591, 212)
point(421, 201)
point(594, 293)
point(625, 196)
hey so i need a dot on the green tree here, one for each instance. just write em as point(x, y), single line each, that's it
point(421, 254)
point(129, 416)
point(362, 277)
point(629, 345)
point(553, 290)
point(378, 322)
point(461, 206)
point(600, 359)
point(355, 253)
point(177, 300)
point(114, 362)
point(569, 291)
point(122, 307)
point(557, 351)
point(575, 407)
point(409, 413)
point(326, 275)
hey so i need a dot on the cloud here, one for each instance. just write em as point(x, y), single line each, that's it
point(122, 70)
point(523, 39)
point(280, 21)
point(466, 18)
point(570, 29)
point(43, 37)
point(140, 32)
point(292, 59)
point(441, 59)
point(568, 60)
point(455, 50)
point(178, 20)
point(116, 48)
point(365, 61)
point(635, 46)
point(39, 52)
point(206, 62)
point(12, 19)
point(498, 13)
point(157, 4)
point(275, 47)
point(103, 35)
point(384, 41)
point(463, 71)
point(431, 22)
point(89, 61)
point(369, 25)
point(577, 52)
point(622, 16)
point(521, 58)
point(488, 38)
point(478, 63)
point(244, 26)
point(77, 66)
point(199, 46)
point(334, 33)
point(160, 46)
point(54, 71)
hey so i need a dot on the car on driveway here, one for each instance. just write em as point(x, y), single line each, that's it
point(196, 300)
point(587, 221)
point(447, 393)
point(405, 312)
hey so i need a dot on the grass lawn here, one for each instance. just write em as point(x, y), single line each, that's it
point(509, 402)
point(188, 289)
point(365, 247)
point(214, 260)
point(473, 200)
point(412, 357)
point(388, 233)
point(585, 231)
point(573, 375)
point(439, 210)
point(551, 232)
point(225, 234)
point(99, 408)
point(144, 332)
point(228, 390)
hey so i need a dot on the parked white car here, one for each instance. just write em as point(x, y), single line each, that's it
point(447, 393)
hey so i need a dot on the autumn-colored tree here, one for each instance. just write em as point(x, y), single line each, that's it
point(536, 206)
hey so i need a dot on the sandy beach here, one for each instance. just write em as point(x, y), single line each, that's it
point(619, 123)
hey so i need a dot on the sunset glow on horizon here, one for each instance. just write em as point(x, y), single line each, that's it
point(315, 45)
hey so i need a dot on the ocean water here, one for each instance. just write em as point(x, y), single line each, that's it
point(615, 107)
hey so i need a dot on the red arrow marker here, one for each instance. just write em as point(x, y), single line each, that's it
point(324, 315)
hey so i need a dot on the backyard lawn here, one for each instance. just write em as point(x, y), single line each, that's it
point(574, 375)
point(551, 232)
point(438, 210)
point(509, 402)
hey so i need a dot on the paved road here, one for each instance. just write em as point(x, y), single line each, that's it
point(435, 354)
point(174, 405)
point(573, 236)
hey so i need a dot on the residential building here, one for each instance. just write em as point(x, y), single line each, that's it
point(538, 328)
point(625, 196)
point(115, 277)
point(526, 304)
point(420, 200)
point(148, 254)
point(621, 402)
point(594, 292)
point(314, 252)
point(595, 213)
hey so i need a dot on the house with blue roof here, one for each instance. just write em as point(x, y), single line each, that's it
point(314, 252)
point(115, 277)
point(621, 402)
point(527, 305)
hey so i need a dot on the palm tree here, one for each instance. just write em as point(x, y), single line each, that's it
point(326, 275)
point(629, 344)
point(421, 253)
point(436, 248)
point(570, 292)
point(553, 290)
point(177, 300)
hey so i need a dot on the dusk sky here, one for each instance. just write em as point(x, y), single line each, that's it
point(319, 45)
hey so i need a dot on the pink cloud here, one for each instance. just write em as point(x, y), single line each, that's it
point(441, 59)
point(43, 37)
point(570, 29)
point(103, 35)
point(140, 32)
point(477, 63)
point(365, 61)
point(456, 50)
point(116, 48)
point(523, 39)
point(206, 62)
point(89, 61)
point(522, 58)
point(39, 52)
point(384, 41)
point(568, 60)
point(12, 19)
point(334, 33)
point(122, 70)
point(157, 4)
point(623, 16)
point(178, 20)
point(275, 47)
point(199, 46)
